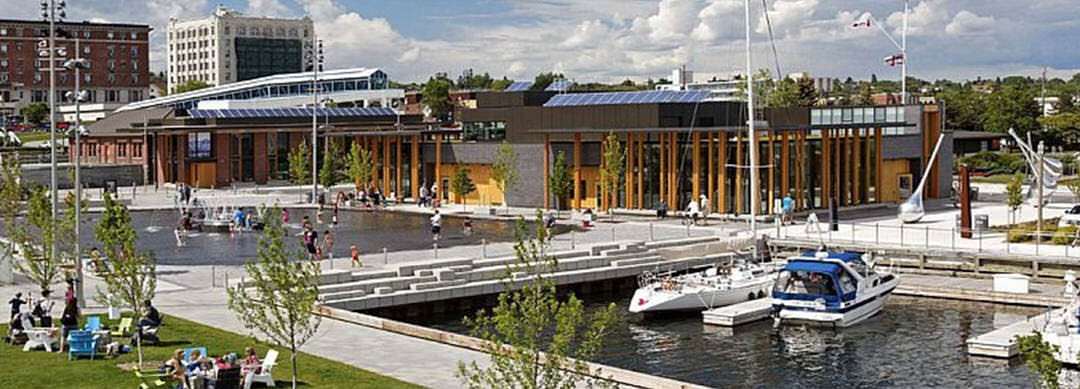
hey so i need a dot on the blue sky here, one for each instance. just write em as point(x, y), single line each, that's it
point(611, 40)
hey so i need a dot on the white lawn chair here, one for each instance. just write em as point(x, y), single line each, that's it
point(262, 374)
point(39, 336)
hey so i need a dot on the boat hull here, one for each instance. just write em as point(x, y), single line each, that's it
point(651, 300)
point(857, 314)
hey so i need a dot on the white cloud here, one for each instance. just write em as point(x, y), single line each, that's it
point(269, 8)
point(714, 21)
point(929, 17)
point(968, 23)
point(788, 16)
point(673, 21)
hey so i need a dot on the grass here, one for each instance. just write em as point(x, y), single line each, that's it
point(32, 136)
point(40, 369)
point(993, 179)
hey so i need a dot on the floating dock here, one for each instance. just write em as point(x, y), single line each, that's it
point(999, 343)
point(738, 314)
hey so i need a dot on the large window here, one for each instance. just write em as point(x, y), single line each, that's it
point(479, 131)
point(199, 145)
point(258, 57)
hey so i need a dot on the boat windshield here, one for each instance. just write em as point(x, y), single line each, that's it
point(860, 267)
point(804, 282)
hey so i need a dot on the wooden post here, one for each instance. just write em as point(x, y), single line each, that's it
point(695, 176)
point(397, 168)
point(438, 164)
point(577, 170)
point(711, 174)
point(856, 170)
point(772, 171)
point(547, 171)
point(601, 198)
point(662, 139)
point(867, 165)
point(414, 166)
point(629, 189)
point(673, 172)
point(722, 185)
point(826, 170)
point(641, 169)
point(386, 165)
point(738, 173)
point(785, 162)
point(878, 165)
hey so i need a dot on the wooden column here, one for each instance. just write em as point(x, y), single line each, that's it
point(826, 170)
point(799, 166)
point(857, 168)
point(722, 185)
point(878, 163)
point(547, 171)
point(640, 169)
point(386, 165)
point(629, 188)
point(837, 148)
point(867, 165)
point(785, 162)
point(577, 170)
point(695, 176)
point(414, 166)
point(711, 174)
point(738, 173)
point(601, 197)
point(438, 164)
point(673, 172)
point(772, 171)
point(397, 168)
point(662, 140)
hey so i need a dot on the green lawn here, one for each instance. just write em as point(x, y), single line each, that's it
point(994, 179)
point(40, 369)
point(31, 136)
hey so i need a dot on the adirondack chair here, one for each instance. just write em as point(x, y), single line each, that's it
point(93, 324)
point(262, 373)
point(226, 379)
point(123, 329)
point(187, 354)
point(81, 343)
point(150, 379)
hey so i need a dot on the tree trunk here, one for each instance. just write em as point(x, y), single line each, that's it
point(295, 369)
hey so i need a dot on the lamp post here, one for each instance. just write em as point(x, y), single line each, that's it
point(315, 60)
point(78, 96)
point(52, 10)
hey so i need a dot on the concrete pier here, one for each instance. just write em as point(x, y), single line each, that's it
point(999, 343)
point(738, 314)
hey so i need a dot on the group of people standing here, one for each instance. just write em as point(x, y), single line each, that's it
point(429, 198)
point(317, 249)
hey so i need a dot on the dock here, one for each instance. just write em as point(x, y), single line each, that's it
point(999, 343)
point(738, 314)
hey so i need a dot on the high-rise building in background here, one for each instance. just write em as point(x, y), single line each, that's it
point(228, 47)
point(119, 63)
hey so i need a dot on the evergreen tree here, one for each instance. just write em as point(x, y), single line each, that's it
point(461, 184)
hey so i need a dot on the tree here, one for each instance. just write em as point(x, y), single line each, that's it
point(11, 191)
point(35, 113)
point(300, 165)
point(561, 180)
point(535, 339)
point(1011, 106)
point(131, 278)
point(461, 184)
point(40, 264)
point(1062, 128)
point(330, 169)
point(360, 166)
point(504, 171)
point(436, 97)
point(469, 80)
point(964, 106)
point(280, 292)
point(1038, 356)
point(1013, 195)
point(611, 172)
point(543, 80)
point(190, 85)
point(501, 83)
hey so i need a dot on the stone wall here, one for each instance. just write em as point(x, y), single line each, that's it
point(93, 176)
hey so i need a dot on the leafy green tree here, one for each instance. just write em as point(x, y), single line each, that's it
point(504, 171)
point(501, 83)
point(611, 172)
point(360, 166)
point(964, 107)
point(131, 278)
point(1013, 195)
point(543, 80)
point(35, 113)
point(436, 97)
point(1011, 106)
point(279, 294)
point(1038, 356)
point(330, 170)
point(469, 80)
point(300, 164)
point(561, 180)
point(461, 184)
point(535, 339)
point(1062, 128)
point(190, 85)
point(11, 191)
point(36, 238)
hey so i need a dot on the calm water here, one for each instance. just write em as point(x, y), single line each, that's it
point(371, 232)
point(912, 343)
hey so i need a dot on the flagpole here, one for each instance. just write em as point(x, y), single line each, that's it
point(754, 190)
point(903, 59)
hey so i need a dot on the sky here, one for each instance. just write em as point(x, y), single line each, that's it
point(612, 40)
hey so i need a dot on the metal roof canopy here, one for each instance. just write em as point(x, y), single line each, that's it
point(718, 128)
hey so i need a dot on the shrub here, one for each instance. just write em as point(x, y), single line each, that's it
point(1018, 235)
point(1064, 235)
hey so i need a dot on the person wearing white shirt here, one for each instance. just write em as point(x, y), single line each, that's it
point(436, 225)
point(693, 211)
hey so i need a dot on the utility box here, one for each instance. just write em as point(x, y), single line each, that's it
point(982, 223)
point(1011, 283)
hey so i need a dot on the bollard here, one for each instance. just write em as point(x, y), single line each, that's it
point(385, 256)
point(331, 264)
point(650, 232)
point(980, 239)
point(877, 235)
point(435, 248)
point(901, 234)
point(687, 230)
point(953, 236)
point(483, 248)
point(213, 277)
point(571, 239)
point(1038, 238)
point(926, 242)
point(612, 233)
point(852, 233)
point(133, 192)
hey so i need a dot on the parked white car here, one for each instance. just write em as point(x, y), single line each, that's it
point(1071, 217)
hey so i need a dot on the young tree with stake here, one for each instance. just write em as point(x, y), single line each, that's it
point(10, 206)
point(280, 292)
point(504, 171)
point(611, 172)
point(462, 185)
point(131, 278)
point(360, 167)
point(561, 180)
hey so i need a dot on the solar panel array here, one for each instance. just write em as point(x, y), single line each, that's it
point(558, 86)
point(519, 86)
point(254, 113)
point(621, 98)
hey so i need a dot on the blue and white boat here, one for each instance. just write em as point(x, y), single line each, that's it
point(831, 289)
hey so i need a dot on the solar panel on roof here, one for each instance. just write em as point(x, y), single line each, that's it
point(636, 97)
point(518, 86)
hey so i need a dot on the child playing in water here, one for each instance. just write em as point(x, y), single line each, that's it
point(355, 256)
point(467, 227)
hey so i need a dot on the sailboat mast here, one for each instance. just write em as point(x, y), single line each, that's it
point(904, 59)
point(754, 190)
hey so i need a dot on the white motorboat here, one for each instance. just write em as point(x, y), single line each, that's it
point(724, 284)
point(833, 289)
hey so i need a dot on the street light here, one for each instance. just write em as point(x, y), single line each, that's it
point(78, 96)
point(53, 11)
point(315, 60)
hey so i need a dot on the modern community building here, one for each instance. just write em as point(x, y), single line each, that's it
point(677, 146)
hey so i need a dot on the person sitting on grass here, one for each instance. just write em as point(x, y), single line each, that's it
point(251, 363)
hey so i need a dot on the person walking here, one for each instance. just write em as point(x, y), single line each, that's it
point(285, 216)
point(355, 253)
point(693, 211)
point(787, 206)
point(43, 309)
point(422, 201)
point(328, 243)
point(69, 321)
point(435, 196)
point(436, 225)
point(16, 305)
point(705, 210)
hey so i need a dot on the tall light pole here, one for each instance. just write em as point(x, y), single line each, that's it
point(754, 190)
point(315, 59)
point(78, 95)
point(52, 10)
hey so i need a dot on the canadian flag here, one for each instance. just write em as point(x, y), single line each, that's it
point(894, 60)
point(864, 23)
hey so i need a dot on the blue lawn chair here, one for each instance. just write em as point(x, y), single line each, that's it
point(81, 343)
point(93, 324)
point(187, 354)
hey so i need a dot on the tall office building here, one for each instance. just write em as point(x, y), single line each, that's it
point(228, 47)
point(119, 63)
